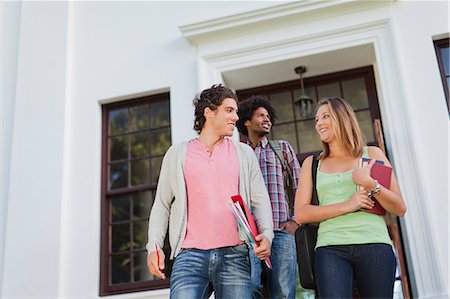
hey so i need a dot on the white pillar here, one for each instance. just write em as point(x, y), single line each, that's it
point(32, 243)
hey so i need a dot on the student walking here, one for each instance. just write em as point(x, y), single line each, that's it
point(196, 181)
point(352, 243)
point(280, 169)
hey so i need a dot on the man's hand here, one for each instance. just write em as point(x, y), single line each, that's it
point(153, 266)
point(290, 227)
point(262, 250)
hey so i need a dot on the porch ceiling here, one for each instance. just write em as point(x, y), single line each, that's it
point(317, 64)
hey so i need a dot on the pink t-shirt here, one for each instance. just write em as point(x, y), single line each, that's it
point(211, 180)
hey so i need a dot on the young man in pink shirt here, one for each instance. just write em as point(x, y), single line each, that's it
point(196, 182)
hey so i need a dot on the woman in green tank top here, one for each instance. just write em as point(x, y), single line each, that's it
point(352, 244)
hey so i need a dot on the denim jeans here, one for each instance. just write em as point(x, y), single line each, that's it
point(225, 271)
point(372, 266)
point(283, 277)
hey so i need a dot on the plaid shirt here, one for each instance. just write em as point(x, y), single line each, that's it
point(272, 172)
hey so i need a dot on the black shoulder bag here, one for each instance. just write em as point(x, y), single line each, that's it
point(305, 240)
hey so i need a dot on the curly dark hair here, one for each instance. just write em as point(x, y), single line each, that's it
point(248, 107)
point(211, 98)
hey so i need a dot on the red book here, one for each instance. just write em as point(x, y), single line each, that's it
point(382, 174)
point(251, 222)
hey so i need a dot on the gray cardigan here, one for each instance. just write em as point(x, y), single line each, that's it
point(170, 205)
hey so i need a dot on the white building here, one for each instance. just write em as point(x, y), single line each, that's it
point(63, 64)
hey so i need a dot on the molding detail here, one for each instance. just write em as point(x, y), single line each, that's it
point(202, 31)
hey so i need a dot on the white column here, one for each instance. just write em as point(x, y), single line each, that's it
point(9, 35)
point(32, 247)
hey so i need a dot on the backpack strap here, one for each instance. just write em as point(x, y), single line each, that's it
point(315, 163)
point(287, 177)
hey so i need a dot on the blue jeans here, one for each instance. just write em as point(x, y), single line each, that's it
point(372, 266)
point(225, 271)
point(283, 277)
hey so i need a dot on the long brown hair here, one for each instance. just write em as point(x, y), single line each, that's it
point(346, 127)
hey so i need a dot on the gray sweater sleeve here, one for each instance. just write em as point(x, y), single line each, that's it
point(159, 216)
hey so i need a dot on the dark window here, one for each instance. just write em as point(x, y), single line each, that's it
point(136, 135)
point(298, 127)
point(443, 56)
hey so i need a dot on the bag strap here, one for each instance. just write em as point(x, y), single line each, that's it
point(287, 177)
point(314, 198)
point(315, 164)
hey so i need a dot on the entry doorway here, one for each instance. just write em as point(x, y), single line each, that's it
point(358, 87)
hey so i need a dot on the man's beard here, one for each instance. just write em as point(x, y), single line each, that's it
point(263, 133)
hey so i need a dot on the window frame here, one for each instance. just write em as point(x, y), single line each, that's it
point(106, 288)
point(365, 73)
point(438, 45)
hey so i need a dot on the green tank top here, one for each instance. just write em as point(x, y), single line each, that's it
point(351, 228)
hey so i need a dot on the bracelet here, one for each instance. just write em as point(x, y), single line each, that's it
point(375, 190)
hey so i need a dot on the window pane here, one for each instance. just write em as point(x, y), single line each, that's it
point(285, 132)
point(307, 113)
point(140, 234)
point(365, 122)
point(120, 237)
point(307, 135)
point(328, 90)
point(139, 117)
point(119, 148)
point(120, 268)
point(160, 141)
point(140, 172)
point(155, 167)
point(140, 267)
point(355, 93)
point(118, 121)
point(159, 114)
point(118, 177)
point(283, 105)
point(137, 137)
point(142, 201)
point(445, 58)
point(120, 208)
point(140, 145)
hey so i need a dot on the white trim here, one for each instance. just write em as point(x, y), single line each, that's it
point(133, 96)
point(66, 198)
point(202, 31)
point(215, 59)
point(419, 233)
point(299, 46)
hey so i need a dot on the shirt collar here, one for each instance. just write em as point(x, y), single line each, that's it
point(263, 143)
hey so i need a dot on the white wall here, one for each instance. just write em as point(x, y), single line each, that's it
point(35, 187)
point(428, 111)
point(72, 57)
point(9, 35)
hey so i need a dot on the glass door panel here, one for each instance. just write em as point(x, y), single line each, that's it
point(355, 93)
point(282, 103)
point(309, 140)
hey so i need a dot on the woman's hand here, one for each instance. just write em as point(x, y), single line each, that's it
point(359, 200)
point(361, 176)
